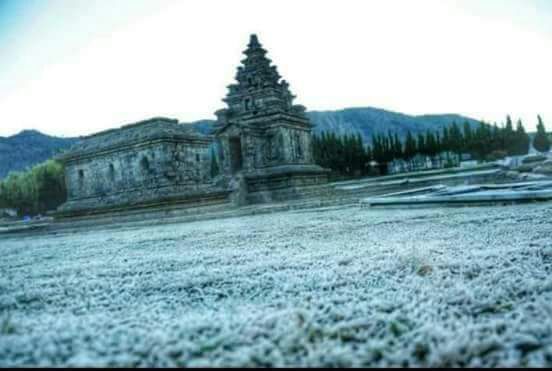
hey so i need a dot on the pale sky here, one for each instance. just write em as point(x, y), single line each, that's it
point(75, 67)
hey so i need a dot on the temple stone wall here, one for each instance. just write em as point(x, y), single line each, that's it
point(114, 172)
point(187, 165)
point(146, 162)
point(279, 145)
point(138, 174)
point(297, 146)
point(263, 130)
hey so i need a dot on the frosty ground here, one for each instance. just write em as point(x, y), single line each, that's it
point(326, 287)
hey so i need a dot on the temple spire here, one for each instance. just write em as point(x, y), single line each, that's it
point(254, 42)
point(258, 88)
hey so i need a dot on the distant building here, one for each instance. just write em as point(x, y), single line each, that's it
point(421, 162)
point(465, 157)
point(468, 163)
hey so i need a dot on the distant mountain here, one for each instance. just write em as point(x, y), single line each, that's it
point(31, 147)
point(28, 148)
point(368, 121)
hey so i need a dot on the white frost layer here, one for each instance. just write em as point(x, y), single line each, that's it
point(349, 287)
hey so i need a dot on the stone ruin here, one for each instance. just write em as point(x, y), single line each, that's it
point(262, 135)
point(261, 146)
point(149, 162)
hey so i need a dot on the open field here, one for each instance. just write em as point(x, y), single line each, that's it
point(343, 286)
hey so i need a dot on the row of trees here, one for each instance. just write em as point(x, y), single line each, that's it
point(347, 155)
point(34, 191)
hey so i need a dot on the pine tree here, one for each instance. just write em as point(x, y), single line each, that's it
point(496, 138)
point(410, 148)
point(388, 148)
point(456, 139)
point(348, 154)
point(421, 147)
point(522, 140)
point(468, 138)
point(376, 148)
point(360, 154)
point(334, 152)
point(438, 143)
point(509, 137)
point(380, 148)
point(399, 152)
point(481, 140)
point(541, 141)
point(445, 142)
point(369, 157)
point(431, 144)
point(314, 148)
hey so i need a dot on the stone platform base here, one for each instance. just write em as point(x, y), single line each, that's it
point(72, 210)
point(286, 183)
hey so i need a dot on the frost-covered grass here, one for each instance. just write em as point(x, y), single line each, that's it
point(339, 287)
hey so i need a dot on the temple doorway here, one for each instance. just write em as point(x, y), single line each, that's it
point(235, 154)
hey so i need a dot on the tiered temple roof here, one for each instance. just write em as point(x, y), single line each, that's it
point(258, 88)
point(157, 128)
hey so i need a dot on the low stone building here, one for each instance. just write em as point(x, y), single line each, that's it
point(422, 162)
point(145, 163)
point(261, 146)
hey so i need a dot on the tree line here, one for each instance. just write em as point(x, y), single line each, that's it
point(347, 155)
point(35, 191)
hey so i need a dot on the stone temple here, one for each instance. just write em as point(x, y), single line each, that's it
point(259, 151)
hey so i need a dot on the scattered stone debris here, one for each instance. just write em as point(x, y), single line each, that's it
point(466, 195)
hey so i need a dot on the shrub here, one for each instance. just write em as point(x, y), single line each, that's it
point(35, 191)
